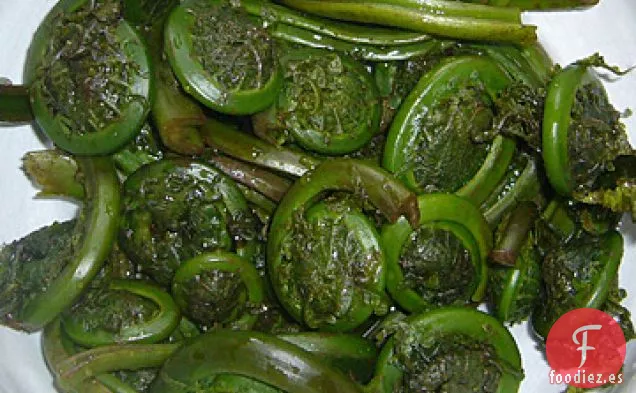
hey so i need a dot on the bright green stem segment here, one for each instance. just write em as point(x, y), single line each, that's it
point(247, 148)
point(77, 371)
point(537, 4)
point(101, 214)
point(558, 219)
point(352, 33)
point(556, 126)
point(56, 173)
point(436, 17)
point(128, 161)
point(518, 226)
point(455, 8)
point(365, 52)
point(260, 180)
point(526, 187)
point(15, 106)
point(156, 329)
point(280, 364)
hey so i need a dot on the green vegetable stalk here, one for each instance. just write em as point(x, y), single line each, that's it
point(205, 364)
point(15, 106)
point(514, 286)
point(349, 353)
point(297, 35)
point(436, 17)
point(245, 147)
point(256, 179)
point(537, 4)
point(80, 372)
point(274, 14)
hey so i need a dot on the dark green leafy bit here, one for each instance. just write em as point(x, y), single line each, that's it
point(215, 296)
point(621, 314)
point(445, 153)
point(437, 266)
point(596, 136)
point(175, 210)
point(272, 319)
point(454, 363)
point(232, 48)
point(329, 266)
point(117, 267)
point(85, 76)
point(519, 113)
point(139, 380)
point(110, 310)
point(147, 12)
point(396, 80)
point(29, 265)
point(572, 273)
point(615, 191)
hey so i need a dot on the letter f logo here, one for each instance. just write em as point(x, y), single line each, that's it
point(584, 347)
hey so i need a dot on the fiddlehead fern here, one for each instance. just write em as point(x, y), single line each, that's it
point(450, 350)
point(122, 311)
point(218, 289)
point(324, 258)
point(175, 209)
point(328, 104)
point(582, 132)
point(228, 65)
point(431, 144)
point(84, 109)
point(63, 257)
point(440, 261)
point(579, 274)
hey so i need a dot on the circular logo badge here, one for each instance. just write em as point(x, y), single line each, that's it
point(586, 348)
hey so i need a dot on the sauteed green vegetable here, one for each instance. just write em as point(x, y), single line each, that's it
point(311, 196)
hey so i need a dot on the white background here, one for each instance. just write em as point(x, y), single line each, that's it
point(609, 28)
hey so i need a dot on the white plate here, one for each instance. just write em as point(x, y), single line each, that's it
point(609, 28)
